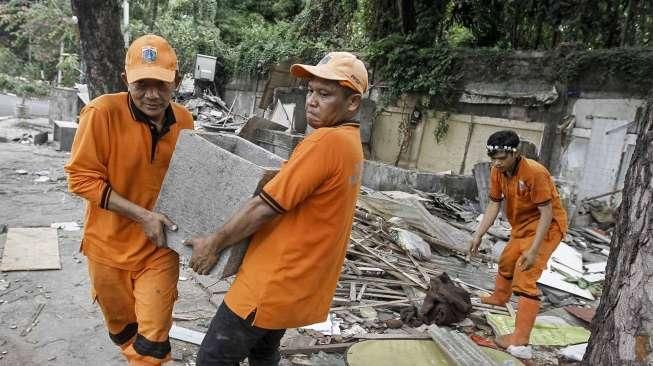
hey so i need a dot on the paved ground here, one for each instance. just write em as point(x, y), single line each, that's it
point(70, 330)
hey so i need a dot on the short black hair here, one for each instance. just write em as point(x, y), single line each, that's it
point(504, 138)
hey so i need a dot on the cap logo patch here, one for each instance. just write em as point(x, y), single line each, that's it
point(354, 78)
point(148, 54)
point(324, 60)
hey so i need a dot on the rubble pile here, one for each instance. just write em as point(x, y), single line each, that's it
point(400, 254)
point(211, 113)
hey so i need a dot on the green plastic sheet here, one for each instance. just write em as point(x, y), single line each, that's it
point(543, 334)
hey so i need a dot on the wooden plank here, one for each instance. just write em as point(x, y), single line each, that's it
point(352, 291)
point(28, 249)
point(346, 278)
point(392, 336)
point(411, 278)
point(361, 292)
point(373, 305)
point(336, 347)
point(186, 335)
point(511, 310)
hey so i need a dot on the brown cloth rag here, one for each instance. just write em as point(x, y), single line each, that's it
point(445, 302)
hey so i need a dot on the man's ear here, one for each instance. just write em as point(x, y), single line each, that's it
point(354, 102)
point(123, 76)
point(177, 80)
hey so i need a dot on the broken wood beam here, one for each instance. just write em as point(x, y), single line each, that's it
point(411, 278)
point(336, 347)
point(373, 305)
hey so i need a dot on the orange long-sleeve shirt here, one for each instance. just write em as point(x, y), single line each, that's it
point(293, 263)
point(116, 148)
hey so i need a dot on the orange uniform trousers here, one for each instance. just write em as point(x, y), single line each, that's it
point(137, 306)
point(524, 283)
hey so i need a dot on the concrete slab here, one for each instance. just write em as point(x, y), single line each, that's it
point(210, 176)
point(64, 133)
point(385, 177)
point(279, 142)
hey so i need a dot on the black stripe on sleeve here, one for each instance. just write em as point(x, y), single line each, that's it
point(270, 201)
point(106, 192)
point(495, 199)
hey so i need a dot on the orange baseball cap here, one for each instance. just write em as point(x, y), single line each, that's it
point(150, 57)
point(340, 66)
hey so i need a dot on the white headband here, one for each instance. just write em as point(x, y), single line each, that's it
point(491, 148)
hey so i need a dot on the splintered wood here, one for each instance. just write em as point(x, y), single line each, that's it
point(379, 273)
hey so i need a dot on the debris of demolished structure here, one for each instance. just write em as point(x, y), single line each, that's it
point(210, 112)
point(405, 246)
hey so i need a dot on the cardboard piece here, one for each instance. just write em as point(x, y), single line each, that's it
point(29, 249)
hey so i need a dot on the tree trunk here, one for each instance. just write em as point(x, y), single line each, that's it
point(102, 46)
point(407, 16)
point(623, 324)
point(628, 27)
point(154, 8)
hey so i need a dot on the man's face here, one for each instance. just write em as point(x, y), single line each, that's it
point(152, 97)
point(504, 161)
point(327, 103)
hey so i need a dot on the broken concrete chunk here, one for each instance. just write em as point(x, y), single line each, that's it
point(40, 138)
point(210, 176)
point(64, 132)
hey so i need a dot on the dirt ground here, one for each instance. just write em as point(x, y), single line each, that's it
point(69, 329)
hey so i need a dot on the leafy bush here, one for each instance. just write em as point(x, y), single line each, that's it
point(188, 37)
point(23, 87)
point(264, 45)
point(9, 63)
point(69, 67)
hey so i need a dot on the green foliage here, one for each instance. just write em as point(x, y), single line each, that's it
point(459, 36)
point(326, 19)
point(442, 128)
point(37, 31)
point(9, 63)
point(408, 68)
point(187, 35)
point(69, 67)
point(23, 87)
point(626, 65)
point(265, 45)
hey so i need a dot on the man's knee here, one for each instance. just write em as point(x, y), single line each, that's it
point(228, 340)
point(524, 283)
point(508, 260)
point(266, 351)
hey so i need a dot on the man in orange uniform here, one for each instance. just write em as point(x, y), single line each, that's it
point(300, 223)
point(538, 222)
point(120, 155)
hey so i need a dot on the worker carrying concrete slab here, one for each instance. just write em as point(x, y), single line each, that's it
point(533, 208)
point(119, 157)
point(299, 223)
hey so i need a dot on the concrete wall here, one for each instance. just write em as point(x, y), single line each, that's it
point(244, 93)
point(457, 152)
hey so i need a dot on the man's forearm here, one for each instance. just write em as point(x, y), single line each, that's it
point(543, 224)
point(491, 213)
point(243, 224)
point(126, 208)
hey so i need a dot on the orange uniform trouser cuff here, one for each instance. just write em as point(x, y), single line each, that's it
point(125, 335)
point(146, 347)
